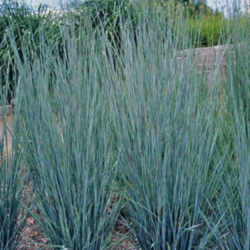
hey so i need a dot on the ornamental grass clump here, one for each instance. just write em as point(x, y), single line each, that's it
point(167, 132)
point(12, 213)
point(237, 191)
point(136, 127)
point(67, 144)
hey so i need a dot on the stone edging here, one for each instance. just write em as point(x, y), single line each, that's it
point(210, 59)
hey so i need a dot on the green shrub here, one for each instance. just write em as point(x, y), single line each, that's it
point(210, 30)
point(186, 8)
point(197, 21)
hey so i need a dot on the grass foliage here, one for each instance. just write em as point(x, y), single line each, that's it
point(22, 25)
point(69, 153)
point(12, 212)
point(238, 91)
point(103, 131)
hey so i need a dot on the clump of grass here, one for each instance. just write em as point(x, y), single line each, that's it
point(67, 144)
point(166, 136)
point(12, 213)
point(138, 121)
point(238, 104)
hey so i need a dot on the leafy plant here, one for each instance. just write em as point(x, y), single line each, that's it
point(187, 8)
point(211, 30)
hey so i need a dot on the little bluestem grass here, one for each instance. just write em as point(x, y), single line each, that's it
point(68, 146)
point(138, 123)
point(12, 213)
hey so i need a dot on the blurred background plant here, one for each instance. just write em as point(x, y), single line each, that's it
point(25, 27)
